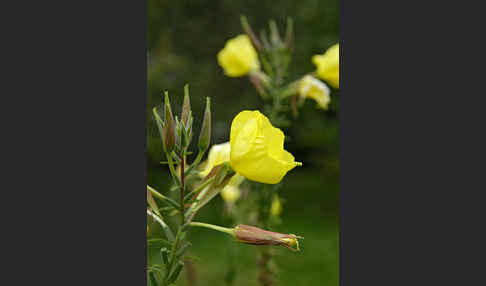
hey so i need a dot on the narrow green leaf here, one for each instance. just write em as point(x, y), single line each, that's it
point(175, 274)
point(153, 281)
point(152, 203)
point(164, 253)
point(159, 240)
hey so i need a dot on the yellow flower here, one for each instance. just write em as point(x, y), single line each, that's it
point(231, 192)
point(257, 150)
point(276, 206)
point(328, 65)
point(311, 87)
point(238, 57)
point(218, 154)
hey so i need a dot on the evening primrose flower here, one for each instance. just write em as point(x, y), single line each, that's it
point(218, 154)
point(328, 65)
point(310, 87)
point(238, 57)
point(257, 151)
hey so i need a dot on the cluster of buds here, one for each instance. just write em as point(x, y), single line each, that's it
point(176, 134)
point(275, 54)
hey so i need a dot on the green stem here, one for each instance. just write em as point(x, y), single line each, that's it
point(196, 162)
point(183, 160)
point(229, 231)
point(173, 254)
point(201, 187)
point(172, 169)
point(290, 89)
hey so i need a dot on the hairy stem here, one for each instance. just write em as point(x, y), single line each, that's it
point(183, 159)
point(196, 162)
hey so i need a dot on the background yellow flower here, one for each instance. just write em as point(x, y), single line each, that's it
point(328, 65)
point(311, 87)
point(238, 57)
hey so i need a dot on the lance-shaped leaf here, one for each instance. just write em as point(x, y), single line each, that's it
point(151, 202)
point(173, 277)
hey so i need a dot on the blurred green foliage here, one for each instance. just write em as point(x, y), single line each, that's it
point(183, 39)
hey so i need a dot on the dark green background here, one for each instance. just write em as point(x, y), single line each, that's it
point(183, 39)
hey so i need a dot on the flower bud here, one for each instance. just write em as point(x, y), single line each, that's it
point(257, 236)
point(249, 31)
point(205, 135)
point(186, 107)
point(168, 131)
point(275, 35)
point(289, 34)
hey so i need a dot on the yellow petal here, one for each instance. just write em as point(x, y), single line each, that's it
point(218, 154)
point(328, 65)
point(230, 194)
point(257, 149)
point(311, 87)
point(238, 57)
